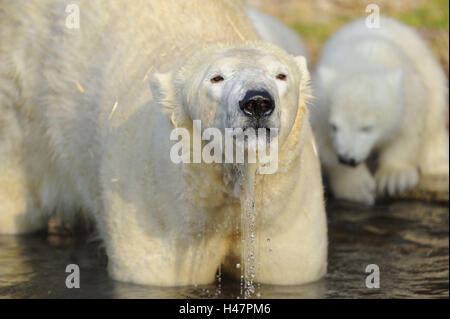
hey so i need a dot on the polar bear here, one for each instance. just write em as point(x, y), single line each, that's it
point(86, 115)
point(379, 90)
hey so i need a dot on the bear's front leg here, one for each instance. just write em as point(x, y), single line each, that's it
point(398, 169)
point(353, 184)
point(146, 249)
point(293, 256)
point(19, 213)
point(162, 261)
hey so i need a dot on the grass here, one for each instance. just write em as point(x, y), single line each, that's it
point(430, 14)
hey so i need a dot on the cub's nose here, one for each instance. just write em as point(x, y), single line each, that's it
point(347, 161)
point(257, 103)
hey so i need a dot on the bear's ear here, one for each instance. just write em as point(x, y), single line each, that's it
point(305, 78)
point(303, 67)
point(164, 93)
point(326, 75)
point(161, 85)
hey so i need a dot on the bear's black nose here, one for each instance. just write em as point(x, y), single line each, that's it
point(257, 103)
point(347, 161)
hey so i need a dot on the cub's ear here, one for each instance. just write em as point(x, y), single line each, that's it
point(303, 67)
point(326, 75)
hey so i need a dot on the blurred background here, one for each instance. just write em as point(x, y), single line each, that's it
point(316, 20)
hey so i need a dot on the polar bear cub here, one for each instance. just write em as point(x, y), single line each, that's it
point(379, 90)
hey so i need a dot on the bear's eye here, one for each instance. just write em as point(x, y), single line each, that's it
point(334, 127)
point(281, 76)
point(217, 79)
point(366, 129)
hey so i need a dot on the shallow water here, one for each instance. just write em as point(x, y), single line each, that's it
point(407, 240)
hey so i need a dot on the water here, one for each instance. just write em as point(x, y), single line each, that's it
point(248, 220)
point(407, 240)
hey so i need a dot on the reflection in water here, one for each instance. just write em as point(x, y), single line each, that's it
point(407, 240)
point(14, 267)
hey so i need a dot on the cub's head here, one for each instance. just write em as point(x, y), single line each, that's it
point(250, 85)
point(364, 110)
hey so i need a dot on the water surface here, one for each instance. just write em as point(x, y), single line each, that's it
point(407, 240)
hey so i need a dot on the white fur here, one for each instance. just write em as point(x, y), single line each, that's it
point(384, 91)
point(85, 130)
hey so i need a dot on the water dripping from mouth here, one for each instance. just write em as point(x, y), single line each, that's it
point(248, 221)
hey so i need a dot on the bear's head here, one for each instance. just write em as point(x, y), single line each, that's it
point(364, 110)
point(248, 85)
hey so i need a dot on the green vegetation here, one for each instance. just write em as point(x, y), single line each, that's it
point(319, 32)
point(316, 25)
point(430, 14)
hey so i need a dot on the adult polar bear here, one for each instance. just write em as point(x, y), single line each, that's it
point(379, 90)
point(80, 128)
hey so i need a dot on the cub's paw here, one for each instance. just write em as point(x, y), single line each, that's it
point(355, 185)
point(394, 182)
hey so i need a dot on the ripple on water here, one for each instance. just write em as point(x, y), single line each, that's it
point(408, 240)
